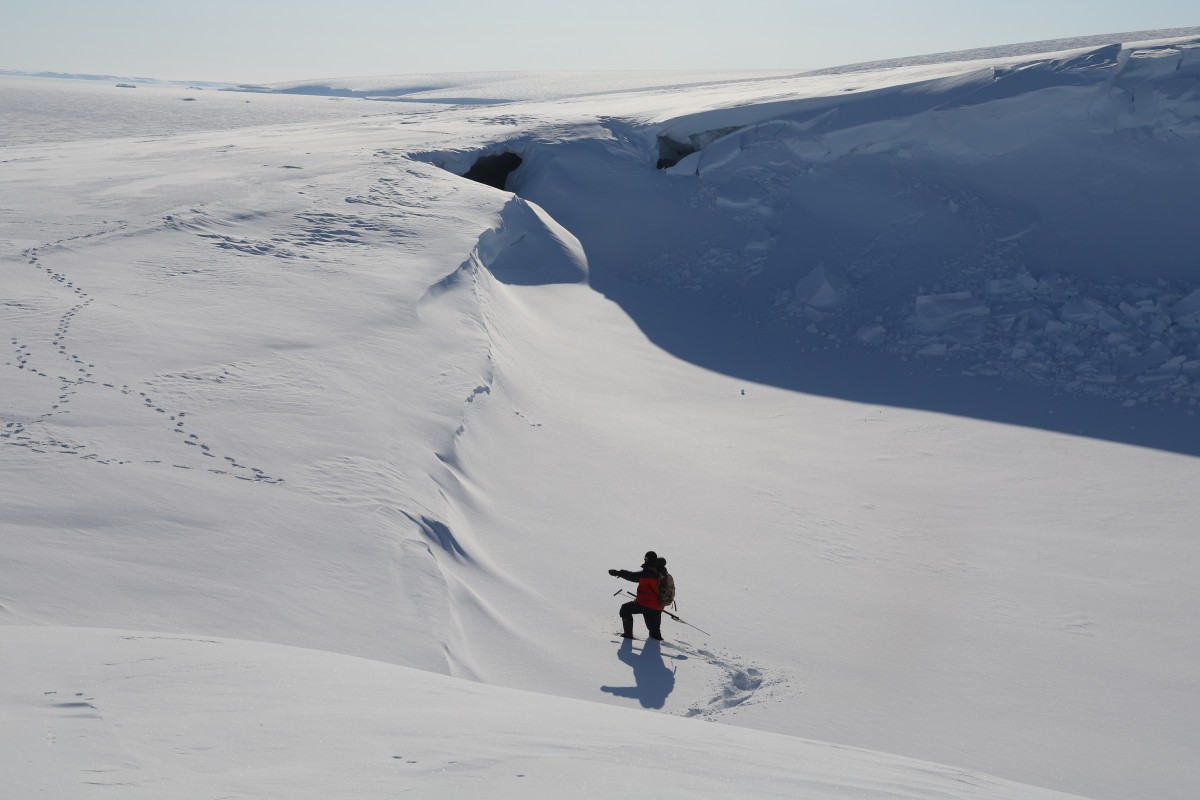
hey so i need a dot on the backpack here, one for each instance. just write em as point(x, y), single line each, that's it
point(666, 590)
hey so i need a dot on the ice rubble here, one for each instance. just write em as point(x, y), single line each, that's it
point(1135, 342)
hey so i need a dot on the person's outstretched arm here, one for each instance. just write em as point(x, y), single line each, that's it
point(629, 576)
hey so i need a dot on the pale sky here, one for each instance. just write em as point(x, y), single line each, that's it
point(264, 41)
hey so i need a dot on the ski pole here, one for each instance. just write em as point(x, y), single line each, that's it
point(668, 613)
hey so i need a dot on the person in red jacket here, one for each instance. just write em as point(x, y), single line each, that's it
point(646, 601)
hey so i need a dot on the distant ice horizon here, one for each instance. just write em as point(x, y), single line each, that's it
point(832, 62)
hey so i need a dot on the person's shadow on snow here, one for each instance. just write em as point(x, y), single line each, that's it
point(654, 680)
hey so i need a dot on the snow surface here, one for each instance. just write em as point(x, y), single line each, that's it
point(45, 110)
point(895, 369)
point(505, 87)
point(151, 715)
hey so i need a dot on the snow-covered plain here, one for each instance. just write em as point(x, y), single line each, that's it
point(45, 110)
point(896, 365)
point(486, 88)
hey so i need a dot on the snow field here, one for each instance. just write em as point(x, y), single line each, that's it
point(92, 711)
point(297, 385)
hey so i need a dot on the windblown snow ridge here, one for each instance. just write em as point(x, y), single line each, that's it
point(1009, 50)
point(1110, 78)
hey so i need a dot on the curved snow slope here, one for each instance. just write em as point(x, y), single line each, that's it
point(528, 248)
point(292, 385)
point(153, 715)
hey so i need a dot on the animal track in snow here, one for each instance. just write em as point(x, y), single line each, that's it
point(25, 433)
point(526, 420)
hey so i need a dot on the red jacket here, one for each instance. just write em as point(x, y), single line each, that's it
point(647, 591)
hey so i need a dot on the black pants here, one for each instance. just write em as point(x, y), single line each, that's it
point(653, 619)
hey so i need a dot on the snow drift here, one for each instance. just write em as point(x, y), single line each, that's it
point(528, 247)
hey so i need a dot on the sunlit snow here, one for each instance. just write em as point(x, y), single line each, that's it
point(315, 454)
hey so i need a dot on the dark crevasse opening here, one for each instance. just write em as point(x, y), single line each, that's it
point(671, 152)
point(494, 170)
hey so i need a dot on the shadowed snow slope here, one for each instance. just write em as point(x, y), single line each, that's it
point(296, 384)
point(1054, 195)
